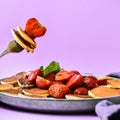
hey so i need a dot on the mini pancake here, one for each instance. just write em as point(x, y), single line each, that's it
point(35, 91)
point(24, 84)
point(21, 75)
point(26, 37)
point(10, 80)
point(105, 77)
point(30, 96)
point(113, 83)
point(13, 79)
point(102, 92)
point(72, 96)
point(21, 41)
point(17, 88)
point(13, 91)
point(5, 87)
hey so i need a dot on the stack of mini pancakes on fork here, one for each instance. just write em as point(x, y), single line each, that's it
point(25, 38)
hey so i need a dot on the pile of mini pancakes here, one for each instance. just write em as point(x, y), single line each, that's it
point(112, 88)
point(17, 85)
point(23, 39)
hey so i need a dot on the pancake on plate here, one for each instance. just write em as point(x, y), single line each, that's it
point(5, 87)
point(113, 83)
point(102, 92)
point(13, 79)
point(13, 91)
point(23, 83)
point(35, 92)
point(73, 96)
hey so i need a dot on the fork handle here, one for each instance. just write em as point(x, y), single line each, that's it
point(4, 53)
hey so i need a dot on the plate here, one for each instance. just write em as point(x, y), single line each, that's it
point(53, 105)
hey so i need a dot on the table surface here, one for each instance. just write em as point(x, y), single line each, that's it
point(8, 112)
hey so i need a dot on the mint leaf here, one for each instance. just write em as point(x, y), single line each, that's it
point(52, 67)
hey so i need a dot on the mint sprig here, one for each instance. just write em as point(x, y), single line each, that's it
point(52, 67)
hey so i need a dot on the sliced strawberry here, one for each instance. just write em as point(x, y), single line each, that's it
point(62, 75)
point(33, 74)
point(74, 72)
point(102, 82)
point(75, 81)
point(81, 91)
point(90, 82)
point(42, 82)
point(58, 90)
point(51, 76)
point(34, 29)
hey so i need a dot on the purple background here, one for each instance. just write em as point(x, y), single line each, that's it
point(81, 34)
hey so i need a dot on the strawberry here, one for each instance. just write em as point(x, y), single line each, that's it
point(42, 82)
